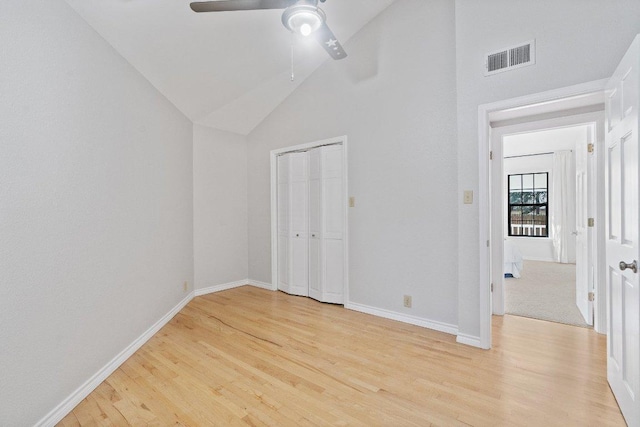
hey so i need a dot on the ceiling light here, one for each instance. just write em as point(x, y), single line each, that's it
point(303, 19)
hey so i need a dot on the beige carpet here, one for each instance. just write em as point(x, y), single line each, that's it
point(546, 291)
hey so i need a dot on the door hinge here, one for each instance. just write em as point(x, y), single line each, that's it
point(590, 148)
point(592, 296)
point(490, 155)
point(591, 222)
point(492, 287)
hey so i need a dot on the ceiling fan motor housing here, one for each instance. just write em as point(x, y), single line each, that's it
point(302, 14)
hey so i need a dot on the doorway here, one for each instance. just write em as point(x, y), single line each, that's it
point(567, 232)
point(545, 195)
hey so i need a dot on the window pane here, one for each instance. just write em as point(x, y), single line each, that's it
point(527, 182)
point(515, 182)
point(541, 181)
point(541, 196)
point(516, 221)
point(540, 222)
point(515, 197)
point(528, 197)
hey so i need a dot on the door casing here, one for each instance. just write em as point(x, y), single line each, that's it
point(485, 243)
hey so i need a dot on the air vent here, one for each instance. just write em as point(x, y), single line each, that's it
point(510, 58)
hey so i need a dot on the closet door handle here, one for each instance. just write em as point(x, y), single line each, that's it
point(633, 266)
point(297, 235)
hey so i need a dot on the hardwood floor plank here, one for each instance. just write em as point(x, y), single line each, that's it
point(251, 357)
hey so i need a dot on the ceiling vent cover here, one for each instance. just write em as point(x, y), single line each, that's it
point(510, 58)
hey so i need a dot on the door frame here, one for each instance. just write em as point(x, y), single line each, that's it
point(485, 241)
point(339, 140)
point(595, 119)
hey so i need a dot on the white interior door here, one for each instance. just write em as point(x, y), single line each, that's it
point(583, 287)
point(622, 234)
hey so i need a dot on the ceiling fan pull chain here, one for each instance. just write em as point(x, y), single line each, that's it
point(293, 77)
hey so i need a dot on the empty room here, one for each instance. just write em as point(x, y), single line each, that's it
point(294, 212)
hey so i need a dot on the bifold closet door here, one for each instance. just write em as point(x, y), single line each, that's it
point(326, 224)
point(293, 224)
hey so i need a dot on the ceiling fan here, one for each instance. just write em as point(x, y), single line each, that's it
point(303, 17)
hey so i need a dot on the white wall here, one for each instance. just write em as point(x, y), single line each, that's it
point(576, 41)
point(96, 217)
point(220, 207)
point(394, 97)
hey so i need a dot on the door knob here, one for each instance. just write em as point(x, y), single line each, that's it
point(575, 233)
point(633, 266)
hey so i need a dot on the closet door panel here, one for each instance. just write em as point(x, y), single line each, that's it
point(298, 235)
point(333, 200)
point(283, 263)
point(299, 209)
point(283, 223)
point(315, 225)
point(333, 208)
point(315, 277)
point(315, 206)
point(332, 161)
point(334, 271)
point(299, 284)
point(315, 192)
point(314, 163)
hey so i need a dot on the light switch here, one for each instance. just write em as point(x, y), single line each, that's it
point(468, 197)
point(352, 202)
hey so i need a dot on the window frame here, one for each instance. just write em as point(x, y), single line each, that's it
point(536, 205)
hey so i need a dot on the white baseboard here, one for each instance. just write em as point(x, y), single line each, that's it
point(469, 340)
point(222, 287)
point(67, 405)
point(405, 318)
point(262, 285)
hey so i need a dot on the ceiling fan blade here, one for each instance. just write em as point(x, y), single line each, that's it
point(329, 42)
point(231, 5)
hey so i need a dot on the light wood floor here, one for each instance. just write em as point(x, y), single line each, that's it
point(253, 357)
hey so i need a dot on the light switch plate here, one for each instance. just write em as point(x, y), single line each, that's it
point(468, 197)
point(352, 202)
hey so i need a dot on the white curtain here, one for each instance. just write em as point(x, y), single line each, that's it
point(562, 205)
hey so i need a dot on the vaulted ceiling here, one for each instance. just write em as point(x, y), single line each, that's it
point(225, 70)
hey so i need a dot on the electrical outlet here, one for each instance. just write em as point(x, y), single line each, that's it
point(185, 286)
point(407, 301)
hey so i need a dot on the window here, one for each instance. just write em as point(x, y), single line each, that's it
point(528, 208)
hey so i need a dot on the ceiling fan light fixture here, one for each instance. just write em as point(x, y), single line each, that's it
point(303, 19)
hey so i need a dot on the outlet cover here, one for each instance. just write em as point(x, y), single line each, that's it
point(407, 301)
